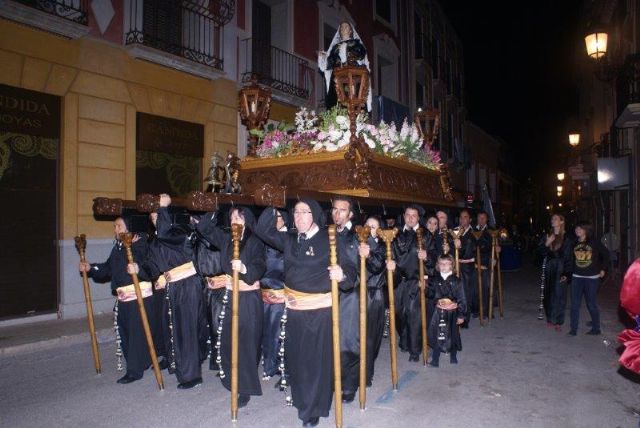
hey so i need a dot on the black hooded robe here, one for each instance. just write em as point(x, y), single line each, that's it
point(444, 334)
point(250, 307)
point(408, 318)
point(184, 318)
point(133, 341)
point(308, 343)
point(376, 291)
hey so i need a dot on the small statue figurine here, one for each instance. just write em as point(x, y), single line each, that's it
point(231, 172)
point(213, 176)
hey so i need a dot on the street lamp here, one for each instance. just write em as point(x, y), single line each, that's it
point(596, 43)
point(560, 176)
point(574, 139)
point(559, 189)
point(254, 103)
point(428, 124)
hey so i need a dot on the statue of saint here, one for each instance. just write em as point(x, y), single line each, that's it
point(213, 176)
point(346, 49)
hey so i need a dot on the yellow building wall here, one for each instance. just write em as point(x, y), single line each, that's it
point(102, 88)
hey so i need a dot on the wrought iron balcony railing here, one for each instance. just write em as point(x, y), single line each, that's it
point(73, 10)
point(277, 68)
point(191, 29)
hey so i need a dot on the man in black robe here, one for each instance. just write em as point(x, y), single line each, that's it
point(406, 273)
point(484, 242)
point(129, 324)
point(308, 333)
point(374, 251)
point(171, 260)
point(251, 267)
point(466, 245)
point(342, 213)
point(447, 290)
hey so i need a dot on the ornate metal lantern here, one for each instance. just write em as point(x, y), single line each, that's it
point(574, 139)
point(428, 122)
point(254, 103)
point(596, 43)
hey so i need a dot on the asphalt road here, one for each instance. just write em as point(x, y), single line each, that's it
point(513, 372)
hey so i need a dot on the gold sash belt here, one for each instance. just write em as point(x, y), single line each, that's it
point(127, 293)
point(447, 305)
point(243, 286)
point(300, 301)
point(272, 296)
point(218, 281)
point(177, 274)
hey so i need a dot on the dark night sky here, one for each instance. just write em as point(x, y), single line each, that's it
point(520, 66)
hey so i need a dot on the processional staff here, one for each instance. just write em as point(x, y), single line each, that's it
point(423, 304)
point(456, 234)
point(335, 318)
point(388, 236)
point(363, 233)
point(127, 241)
point(495, 267)
point(477, 234)
point(236, 236)
point(81, 245)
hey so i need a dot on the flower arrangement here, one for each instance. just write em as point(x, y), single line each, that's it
point(331, 132)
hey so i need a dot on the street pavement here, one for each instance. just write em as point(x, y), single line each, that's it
point(514, 372)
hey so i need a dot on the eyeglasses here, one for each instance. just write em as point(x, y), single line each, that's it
point(301, 212)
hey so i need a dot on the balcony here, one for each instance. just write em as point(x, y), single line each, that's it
point(67, 18)
point(185, 35)
point(628, 93)
point(289, 75)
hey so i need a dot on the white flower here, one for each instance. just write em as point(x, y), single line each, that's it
point(371, 143)
point(330, 147)
point(405, 130)
point(334, 134)
point(342, 121)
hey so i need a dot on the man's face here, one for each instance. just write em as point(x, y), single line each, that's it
point(465, 219)
point(442, 219)
point(302, 217)
point(482, 220)
point(411, 217)
point(119, 226)
point(341, 213)
point(374, 226)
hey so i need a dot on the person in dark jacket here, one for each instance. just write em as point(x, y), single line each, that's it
point(556, 248)
point(590, 264)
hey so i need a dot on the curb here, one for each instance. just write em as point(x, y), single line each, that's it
point(105, 335)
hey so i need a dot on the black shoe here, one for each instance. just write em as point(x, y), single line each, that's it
point(127, 379)
point(414, 357)
point(369, 383)
point(164, 364)
point(311, 422)
point(453, 359)
point(572, 333)
point(348, 398)
point(243, 400)
point(434, 363)
point(190, 384)
point(593, 332)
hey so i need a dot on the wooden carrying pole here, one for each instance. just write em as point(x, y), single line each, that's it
point(456, 234)
point(493, 234)
point(388, 236)
point(477, 235)
point(335, 318)
point(363, 233)
point(499, 272)
point(423, 303)
point(127, 241)
point(236, 235)
point(81, 245)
